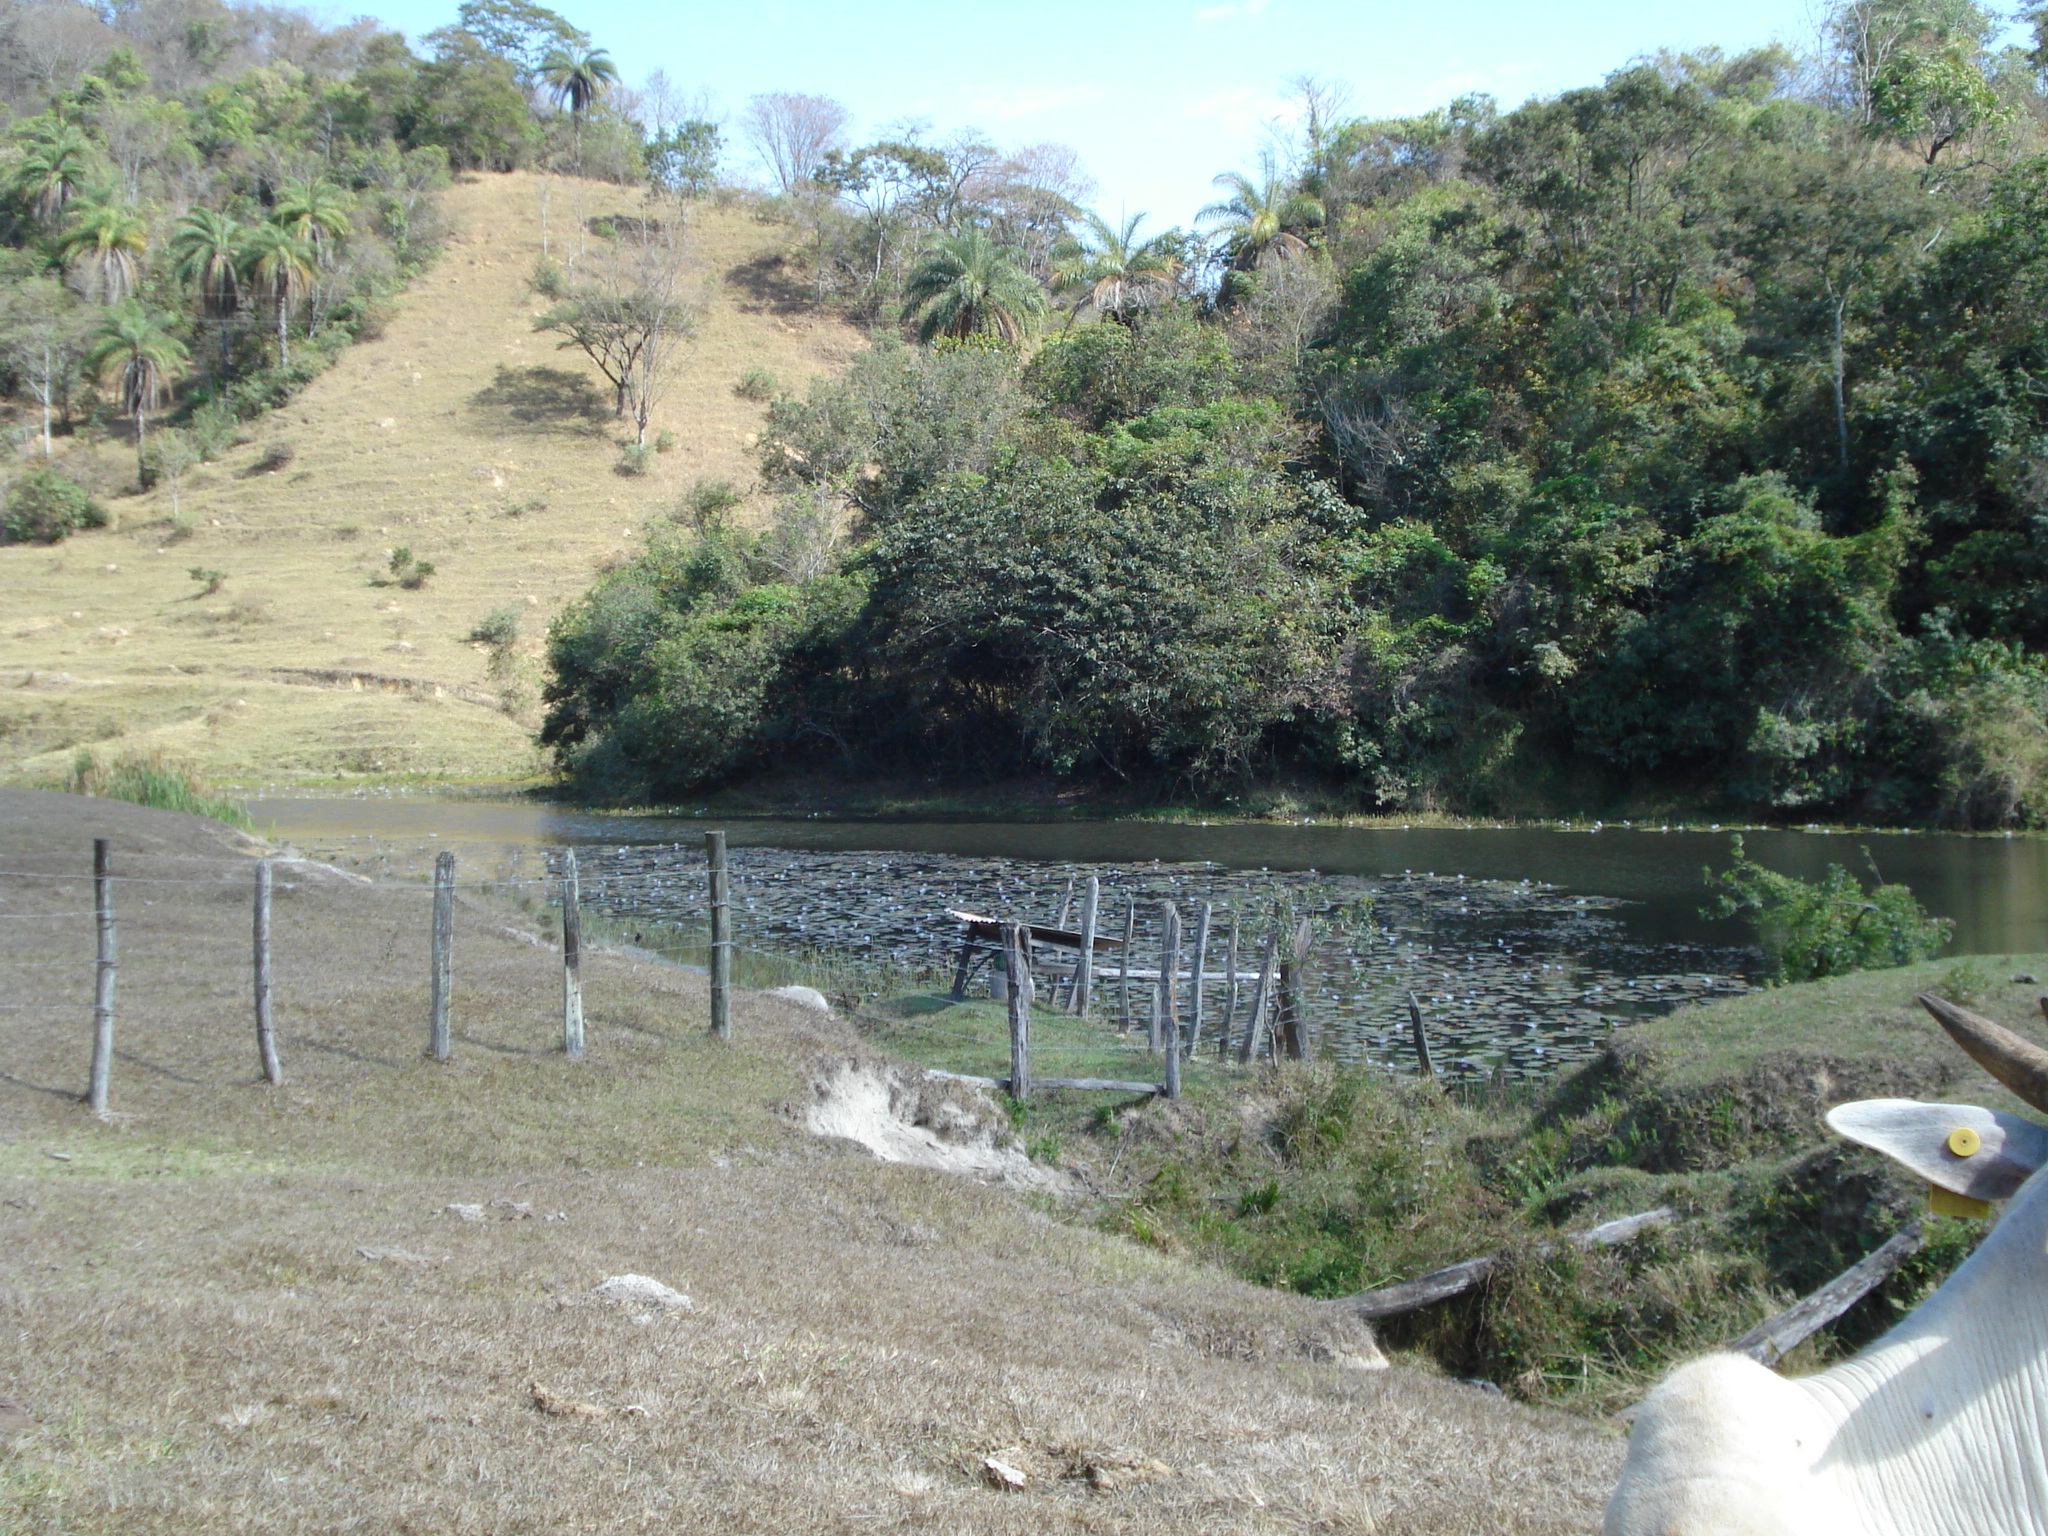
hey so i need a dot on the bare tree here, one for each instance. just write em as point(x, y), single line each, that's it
point(792, 132)
point(627, 313)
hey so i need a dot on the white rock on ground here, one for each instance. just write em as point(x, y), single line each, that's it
point(803, 997)
point(639, 1290)
point(902, 1115)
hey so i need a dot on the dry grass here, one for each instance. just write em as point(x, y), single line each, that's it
point(194, 1322)
point(460, 434)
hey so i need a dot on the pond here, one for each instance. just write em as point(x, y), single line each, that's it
point(1524, 945)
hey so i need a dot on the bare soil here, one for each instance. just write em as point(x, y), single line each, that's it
point(235, 1308)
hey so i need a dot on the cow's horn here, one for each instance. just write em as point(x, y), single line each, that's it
point(2016, 1062)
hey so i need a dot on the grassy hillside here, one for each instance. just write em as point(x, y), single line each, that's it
point(239, 1308)
point(460, 434)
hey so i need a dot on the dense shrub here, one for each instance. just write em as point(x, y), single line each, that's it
point(1810, 929)
point(46, 505)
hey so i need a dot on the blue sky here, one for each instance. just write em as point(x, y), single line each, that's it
point(1157, 95)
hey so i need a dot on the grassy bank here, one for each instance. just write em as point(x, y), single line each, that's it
point(1328, 1181)
point(235, 1307)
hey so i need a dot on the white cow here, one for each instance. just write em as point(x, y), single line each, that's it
point(1940, 1428)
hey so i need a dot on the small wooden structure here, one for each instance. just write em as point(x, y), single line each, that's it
point(981, 940)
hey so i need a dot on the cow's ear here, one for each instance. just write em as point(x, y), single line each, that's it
point(1983, 1153)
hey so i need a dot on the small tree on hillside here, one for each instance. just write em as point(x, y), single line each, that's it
point(626, 313)
point(137, 346)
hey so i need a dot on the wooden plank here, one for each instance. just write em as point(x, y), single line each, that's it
point(1469, 1274)
point(1079, 1084)
point(990, 930)
point(1774, 1338)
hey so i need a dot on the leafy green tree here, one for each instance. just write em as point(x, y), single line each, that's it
point(104, 244)
point(1931, 101)
point(281, 266)
point(1110, 268)
point(56, 161)
point(206, 253)
point(45, 506)
point(683, 162)
point(519, 31)
point(1260, 219)
point(967, 285)
point(315, 210)
point(138, 346)
point(1811, 929)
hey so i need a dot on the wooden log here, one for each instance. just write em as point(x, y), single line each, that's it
point(1084, 969)
point(1229, 996)
point(1197, 976)
point(964, 968)
point(1774, 1338)
point(442, 962)
point(1470, 1274)
point(266, 1035)
point(1420, 1036)
point(1078, 1084)
point(1255, 1021)
point(572, 959)
point(1124, 964)
point(1018, 964)
point(721, 936)
point(103, 978)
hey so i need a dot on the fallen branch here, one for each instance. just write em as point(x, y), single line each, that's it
point(1456, 1279)
point(1774, 1338)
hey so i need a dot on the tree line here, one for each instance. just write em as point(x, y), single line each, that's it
point(1673, 442)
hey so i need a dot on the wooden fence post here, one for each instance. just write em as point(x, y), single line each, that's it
point(1420, 1036)
point(1229, 996)
point(1291, 1026)
point(443, 956)
point(572, 958)
point(721, 937)
point(266, 1035)
point(1196, 977)
point(1123, 964)
point(1162, 989)
point(1255, 1021)
point(103, 977)
point(1017, 961)
point(1084, 973)
point(1169, 1000)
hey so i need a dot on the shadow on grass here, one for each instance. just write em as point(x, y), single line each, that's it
point(766, 282)
point(541, 402)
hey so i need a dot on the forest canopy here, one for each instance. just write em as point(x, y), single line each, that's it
point(1675, 441)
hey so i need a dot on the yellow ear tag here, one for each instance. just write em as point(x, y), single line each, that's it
point(1964, 1142)
point(1946, 1202)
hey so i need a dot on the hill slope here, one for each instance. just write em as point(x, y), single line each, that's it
point(460, 434)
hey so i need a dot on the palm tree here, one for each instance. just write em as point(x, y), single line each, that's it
point(206, 251)
point(105, 242)
point(576, 80)
point(53, 165)
point(1259, 220)
point(1114, 270)
point(315, 210)
point(965, 285)
point(281, 266)
point(138, 345)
